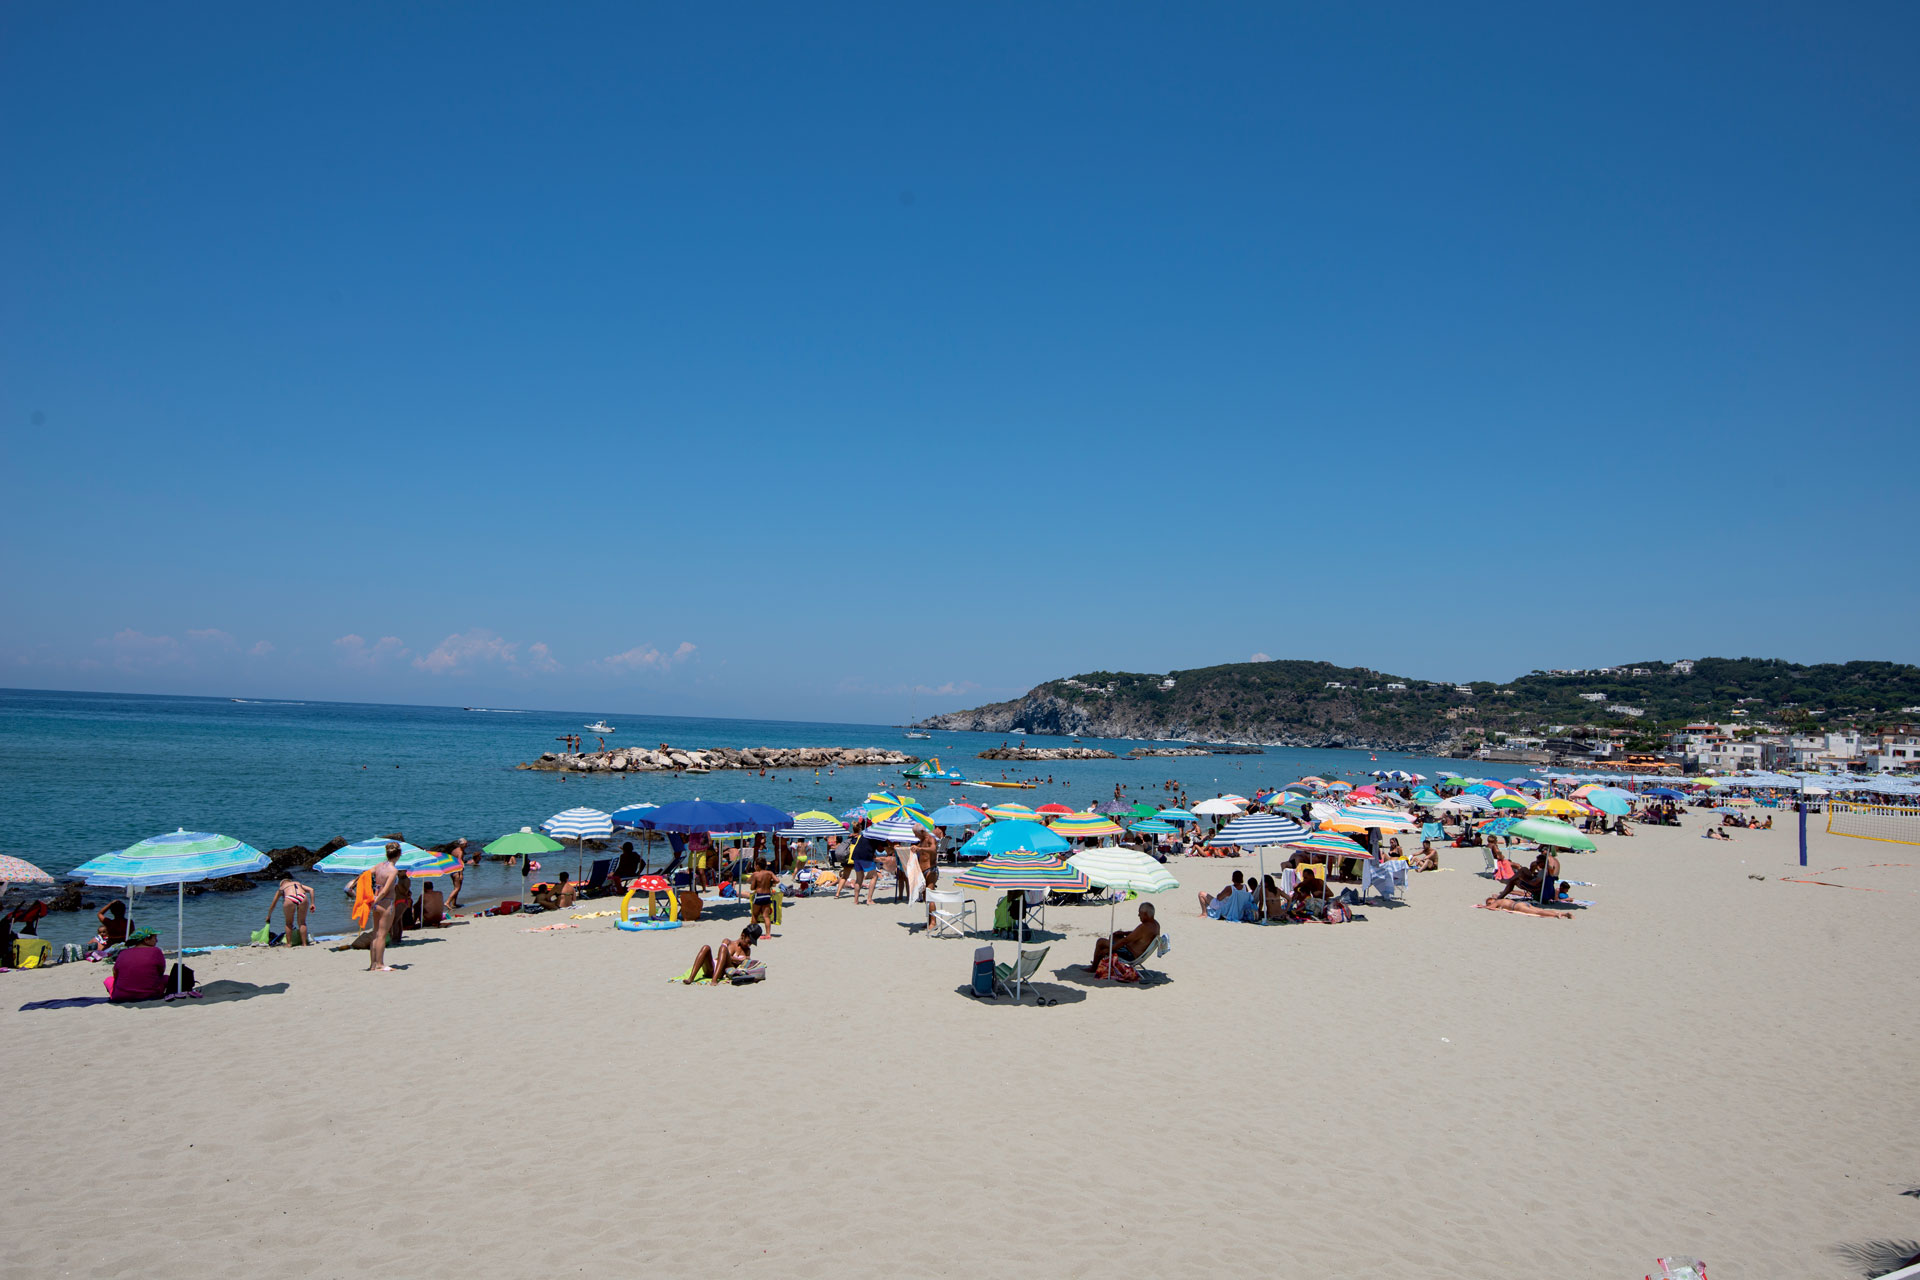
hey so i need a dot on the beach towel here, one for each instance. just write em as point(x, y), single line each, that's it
point(1117, 969)
point(594, 915)
point(549, 928)
point(684, 974)
point(363, 898)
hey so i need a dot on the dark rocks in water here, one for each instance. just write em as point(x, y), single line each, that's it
point(1044, 753)
point(67, 898)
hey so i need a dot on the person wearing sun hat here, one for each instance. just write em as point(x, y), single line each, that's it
point(139, 970)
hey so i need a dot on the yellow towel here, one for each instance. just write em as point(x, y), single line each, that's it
point(594, 915)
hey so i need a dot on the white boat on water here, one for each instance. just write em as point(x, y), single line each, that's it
point(912, 733)
point(600, 727)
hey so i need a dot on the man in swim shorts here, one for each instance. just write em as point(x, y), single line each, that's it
point(1129, 945)
point(762, 883)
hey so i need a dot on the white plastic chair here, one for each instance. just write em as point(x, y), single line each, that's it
point(954, 914)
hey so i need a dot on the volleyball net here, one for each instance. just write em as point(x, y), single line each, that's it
point(1894, 824)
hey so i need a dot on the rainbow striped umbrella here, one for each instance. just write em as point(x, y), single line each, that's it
point(1327, 842)
point(1018, 872)
point(1085, 826)
point(1508, 800)
point(1010, 811)
point(1360, 818)
point(883, 807)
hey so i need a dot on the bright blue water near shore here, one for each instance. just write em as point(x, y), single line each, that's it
point(84, 773)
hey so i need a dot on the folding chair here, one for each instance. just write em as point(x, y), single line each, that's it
point(1159, 947)
point(1033, 910)
point(953, 914)
point(1006, 975)
point(1493, 859)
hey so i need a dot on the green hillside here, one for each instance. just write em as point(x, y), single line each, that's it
point(1317, 703)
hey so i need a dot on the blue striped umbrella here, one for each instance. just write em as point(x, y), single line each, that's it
point(579, 826)
point(1253, 830)
point(1154, 827)
point(174, 859)
point(807, 828)
point(893, 831)
point(1174, 815)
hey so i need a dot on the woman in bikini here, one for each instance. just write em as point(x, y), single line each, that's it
point(298, 899)
point(733, 951)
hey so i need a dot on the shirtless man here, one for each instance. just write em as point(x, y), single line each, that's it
point(1131, 945)
point(733, 951)
point(762, 882)
point(386, 877)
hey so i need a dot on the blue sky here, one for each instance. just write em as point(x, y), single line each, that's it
point(845, 361)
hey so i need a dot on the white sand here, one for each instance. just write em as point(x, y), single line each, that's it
point(1704, 1063)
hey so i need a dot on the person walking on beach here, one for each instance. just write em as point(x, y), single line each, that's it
point(459, 874)
point(762, 883)
point(386, 878)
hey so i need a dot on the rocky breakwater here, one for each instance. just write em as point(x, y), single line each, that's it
point(666, 759)
point(1046, 753)
point(1169, 751)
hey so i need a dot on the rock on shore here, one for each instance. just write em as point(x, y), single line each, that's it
point(665, 758)
point(1169, 751)
point(1046, 753)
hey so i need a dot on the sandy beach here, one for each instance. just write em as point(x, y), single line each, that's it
point(1702, 1063)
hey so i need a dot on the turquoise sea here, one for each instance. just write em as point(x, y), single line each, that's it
point(88, 772)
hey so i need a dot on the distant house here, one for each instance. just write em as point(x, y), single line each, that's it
point(1593, 697)
point(1635, 712)
point(1335, 684)
point(1399, 688)
point(1167, 683)
point(1684, 667)
point(1465, 690)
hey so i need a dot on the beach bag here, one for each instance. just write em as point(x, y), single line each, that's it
point(184, 976)
point(30, 953)
point(983, 971)
point(1339, 912)
point(263, 936)
point(751, 971)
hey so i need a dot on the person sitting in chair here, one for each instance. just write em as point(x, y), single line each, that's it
point(1130, 945)
point(1311, 894)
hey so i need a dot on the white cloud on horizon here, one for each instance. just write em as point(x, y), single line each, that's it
point(1260, 657)
point(357, 653)
point(460, 652)
point(261, 648)
point(132, 650)
point(541, 657)
point(645, 657)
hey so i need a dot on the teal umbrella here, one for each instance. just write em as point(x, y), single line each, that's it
point(171, 859)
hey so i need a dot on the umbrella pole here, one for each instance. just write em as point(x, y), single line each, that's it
point(179, 931)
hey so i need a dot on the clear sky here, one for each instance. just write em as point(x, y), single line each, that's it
point(843, 362)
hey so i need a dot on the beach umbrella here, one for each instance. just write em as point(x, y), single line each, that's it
point(1302, 786)
point(1468, 803)
point(1013, 837)
point(579, 825)
point(1141, 809)
point(171, 859)
point(522, 843)
point(1236, 798)
point(1498, 826)
point(1117, 867)
point(892, 831)
point(1550, 831)
point(1086, 826)
point(1328, 842)
point(1360, 819)
point(1055, 810)
point(1217, 806)
point(364, 855)
point(630, 816)
point(687, 817)
point(1508, 800)
point(1174, 815)
point(1426, 795)
point(956, 815)
point(764, 817)
point(1019, 872)
point(1551, 806)
point(1611, 800)
point(1155, 827)
point(1257, 830)
point(1339, 786)
point(1741, 801)
point(1014, 811)
point(883, 807)
point(1667, 793)
point(806, 828)
point(19, 871)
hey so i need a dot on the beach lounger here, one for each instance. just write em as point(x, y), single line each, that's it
point(1377, 877)
point(596, 878)
point(1159, 947)
point(1005, 975)
point(952, 911)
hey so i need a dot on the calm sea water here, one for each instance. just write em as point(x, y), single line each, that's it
point(85, 773)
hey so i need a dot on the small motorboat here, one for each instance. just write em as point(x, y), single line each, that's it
point(914, 733)
point(600, 727)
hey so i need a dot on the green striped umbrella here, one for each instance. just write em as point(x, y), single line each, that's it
point(1550, 831)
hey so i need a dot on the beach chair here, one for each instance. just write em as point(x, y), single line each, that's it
point(1005, 975)
point(596, 878)
point(1377, 877)
point(1493, 859)
point(953, 912)
point(1033, 910)
point(1159, 947)
point(1432, 831)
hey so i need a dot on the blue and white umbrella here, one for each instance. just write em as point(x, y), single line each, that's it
point(893, 831)
point(808, 828)
point(630, 816)
point(364, 855)
point(579, 826)
point(171, 859)
point(1253, 830)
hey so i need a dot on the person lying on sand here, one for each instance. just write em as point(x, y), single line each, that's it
point(1525, 909)
point(1129, 945)
point(733, 952)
